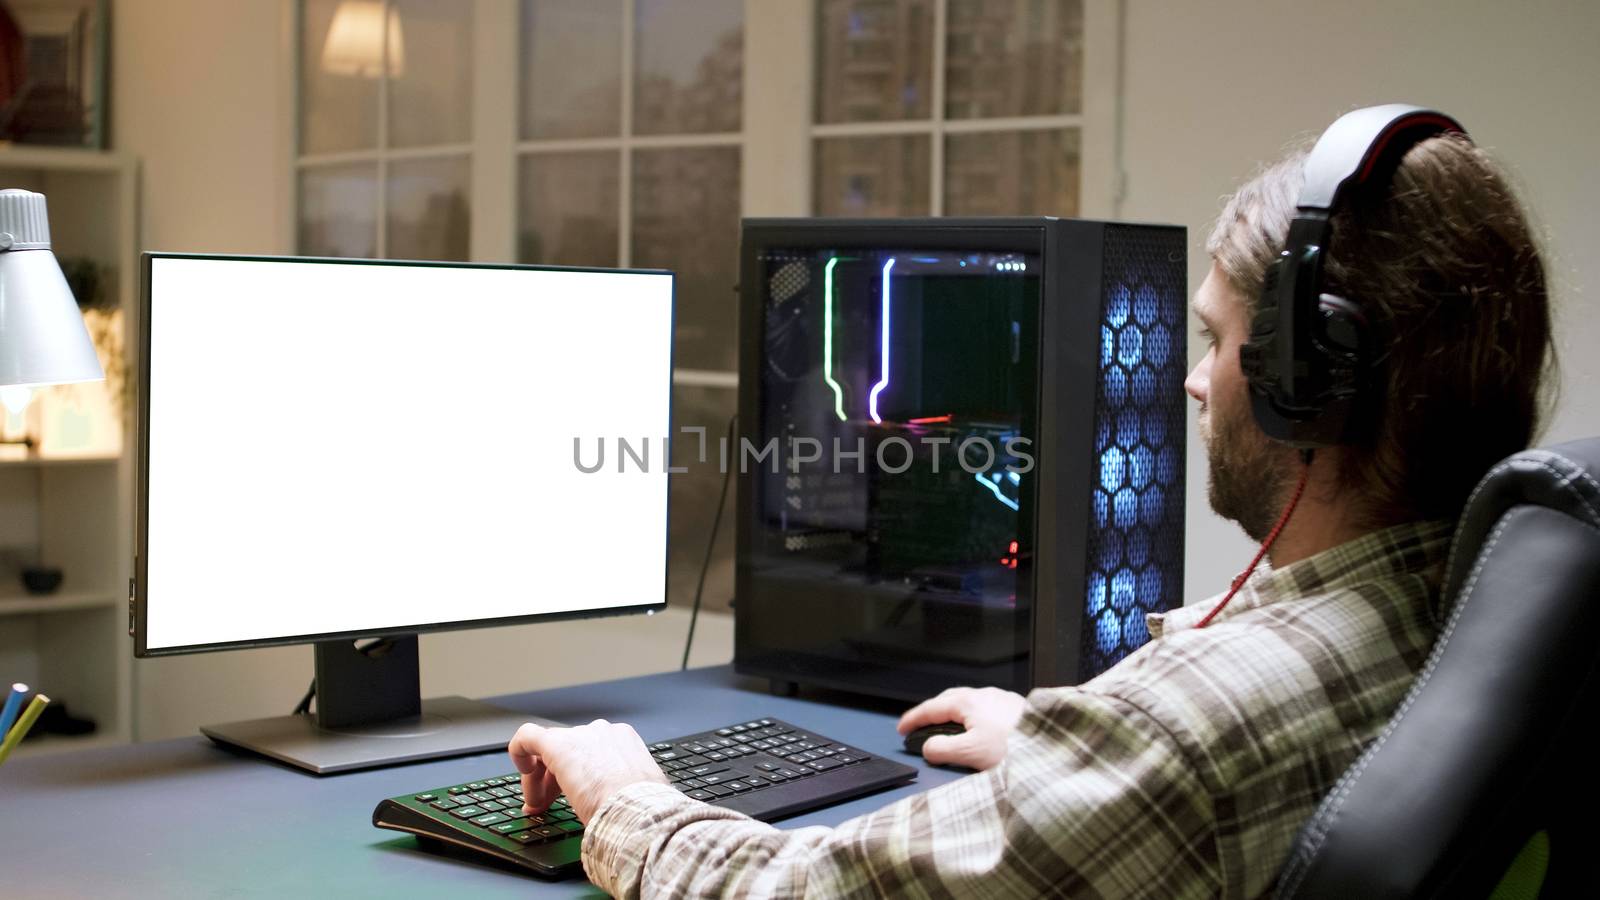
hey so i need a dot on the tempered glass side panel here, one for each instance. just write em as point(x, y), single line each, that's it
point(896, 387)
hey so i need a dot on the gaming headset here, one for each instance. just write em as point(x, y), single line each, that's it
point(1309, 355)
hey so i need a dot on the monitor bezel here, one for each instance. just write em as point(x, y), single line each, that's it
point(138, 598)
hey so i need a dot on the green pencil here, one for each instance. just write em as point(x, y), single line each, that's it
point(25, 722)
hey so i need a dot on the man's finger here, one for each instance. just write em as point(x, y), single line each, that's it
point(526, 746)
point(954, 749)
point(539, 791)
point(947, 707)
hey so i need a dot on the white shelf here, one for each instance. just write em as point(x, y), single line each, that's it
point(64, 159)
point(45, 462)
point(28, 604)
point(76, 511)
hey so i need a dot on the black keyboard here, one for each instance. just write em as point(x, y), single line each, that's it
point(764, 768)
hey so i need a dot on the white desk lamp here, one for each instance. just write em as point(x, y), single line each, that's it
point(42, 337)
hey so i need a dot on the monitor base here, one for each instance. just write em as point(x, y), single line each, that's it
point(448, 726)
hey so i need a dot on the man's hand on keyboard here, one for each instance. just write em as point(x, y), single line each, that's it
point(589, 764)
point(989, 715)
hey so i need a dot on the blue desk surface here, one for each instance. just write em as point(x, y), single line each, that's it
point(188, 818)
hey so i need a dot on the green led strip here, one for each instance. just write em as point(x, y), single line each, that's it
point(827, 338)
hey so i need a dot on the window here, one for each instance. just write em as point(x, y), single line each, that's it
point(948, 107)
point(629, 149)
point(384, 163)
point(614, 133)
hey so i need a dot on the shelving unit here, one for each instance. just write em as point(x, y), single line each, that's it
point(69, 504)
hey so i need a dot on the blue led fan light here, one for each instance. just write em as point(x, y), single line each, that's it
point(1136, 517)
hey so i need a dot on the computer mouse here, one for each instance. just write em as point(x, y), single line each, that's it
point(917, 737)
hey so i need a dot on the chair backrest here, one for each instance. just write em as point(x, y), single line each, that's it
point(1490, 745)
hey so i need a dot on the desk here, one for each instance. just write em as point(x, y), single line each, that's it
point(188, 818)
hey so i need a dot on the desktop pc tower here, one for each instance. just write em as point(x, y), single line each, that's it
point(961, 449)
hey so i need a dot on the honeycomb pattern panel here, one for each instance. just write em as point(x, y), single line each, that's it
point(1135, 548)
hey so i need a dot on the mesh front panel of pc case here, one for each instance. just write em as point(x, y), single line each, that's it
point(976, 436)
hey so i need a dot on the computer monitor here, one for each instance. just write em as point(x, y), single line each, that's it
point(342, 449)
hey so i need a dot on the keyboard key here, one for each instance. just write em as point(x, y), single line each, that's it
point(467, 812)
point(493, 805)
point(791, 773)
point(718, 777)
point(824, 764)
point(754, 782)
point(487, 819)
point(737, 786)
point(457, 790)
point(514, 812)
point(476, 786)
point(766, 767)
point(499, 793)
point(665, 755)
point(481, 796)
point(548, 831)
point(524, 837)
point(569, 827)
point(445, 805)
point(561, 815)
point(508, 827)
point(692, 783)
point(427, 798)
point(661, 746)
point(696, 760)
point(707, 769)
point(700, 794)
point(717, 790)
point(724, 732)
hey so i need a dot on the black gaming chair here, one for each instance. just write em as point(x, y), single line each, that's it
point(1489, 758)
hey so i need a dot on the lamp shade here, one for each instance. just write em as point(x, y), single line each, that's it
point(357, 38)
point(42, 336)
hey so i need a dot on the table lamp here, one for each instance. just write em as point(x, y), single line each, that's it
point(42, 337)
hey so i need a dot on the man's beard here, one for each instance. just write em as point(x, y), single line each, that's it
point(1248, 472)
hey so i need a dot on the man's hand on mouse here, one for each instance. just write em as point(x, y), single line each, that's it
point(589, 764)
point(988, 713)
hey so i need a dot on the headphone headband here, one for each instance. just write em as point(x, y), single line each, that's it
point(1308, 355)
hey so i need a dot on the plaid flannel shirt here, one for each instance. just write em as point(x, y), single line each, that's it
point(1184, 771)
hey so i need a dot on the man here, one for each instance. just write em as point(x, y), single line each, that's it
point(1186, 770)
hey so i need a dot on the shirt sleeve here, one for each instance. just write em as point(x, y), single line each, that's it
point(1094, 798)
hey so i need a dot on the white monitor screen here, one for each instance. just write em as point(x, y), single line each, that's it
point(356, 447)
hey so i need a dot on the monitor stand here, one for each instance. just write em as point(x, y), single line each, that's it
point(370, 713)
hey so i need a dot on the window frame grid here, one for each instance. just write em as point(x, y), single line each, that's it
point(937, 126)
point(380, 155)
point(625, 142)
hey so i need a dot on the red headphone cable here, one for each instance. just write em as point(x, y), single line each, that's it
point(1288, 510)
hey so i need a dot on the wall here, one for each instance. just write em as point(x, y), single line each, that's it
point(1213, 89)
